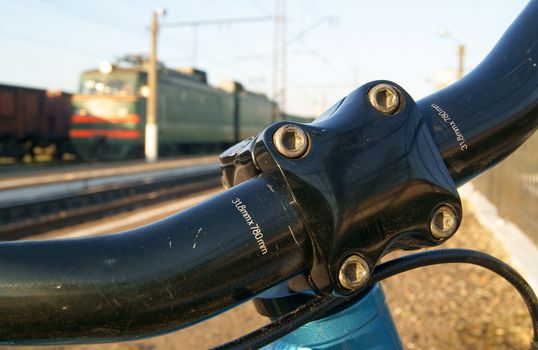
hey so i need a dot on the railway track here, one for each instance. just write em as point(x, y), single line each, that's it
point(22, 215)
point(12, 177)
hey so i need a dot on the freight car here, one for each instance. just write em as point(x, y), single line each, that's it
point(109, 112)
point(33, 118)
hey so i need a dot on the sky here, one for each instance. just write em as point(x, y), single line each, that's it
point(332, 46)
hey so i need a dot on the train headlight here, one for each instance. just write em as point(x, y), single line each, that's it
point(106, 67)
point(100, 87)
point(144, 91)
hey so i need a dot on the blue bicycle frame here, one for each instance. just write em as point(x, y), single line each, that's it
point(366, 325)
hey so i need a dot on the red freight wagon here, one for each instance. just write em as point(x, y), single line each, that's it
point(32, 117)
point(58, 120)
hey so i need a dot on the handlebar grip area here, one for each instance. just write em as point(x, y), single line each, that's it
point(156, 278)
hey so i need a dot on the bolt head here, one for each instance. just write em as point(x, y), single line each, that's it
point(444, 222)
point(291, 141)
point(384, 98)
point(354, 272)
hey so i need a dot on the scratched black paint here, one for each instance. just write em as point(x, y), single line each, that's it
point(152, 279)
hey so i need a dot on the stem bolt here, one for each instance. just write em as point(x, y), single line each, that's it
point(444, 222)
point(384, 98)
point(354, 272)
point(291, 141)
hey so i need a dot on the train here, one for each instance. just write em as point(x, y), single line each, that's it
point(33, 121)
point(109, 112)
point(105, 119)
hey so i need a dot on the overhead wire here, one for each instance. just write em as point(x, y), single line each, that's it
point(44, 42)
point(87, 16)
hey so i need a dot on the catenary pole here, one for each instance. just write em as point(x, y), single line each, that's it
point(151, 149)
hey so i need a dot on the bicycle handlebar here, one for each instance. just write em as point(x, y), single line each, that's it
point(154, 278)
point(482, 118)
point(235, 245)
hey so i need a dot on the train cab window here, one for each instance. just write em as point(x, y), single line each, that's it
point(114, 84)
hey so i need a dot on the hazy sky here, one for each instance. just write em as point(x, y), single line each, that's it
point(333, 46)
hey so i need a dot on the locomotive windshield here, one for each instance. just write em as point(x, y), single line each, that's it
point(116, 83)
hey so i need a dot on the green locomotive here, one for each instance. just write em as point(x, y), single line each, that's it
point(109, 112)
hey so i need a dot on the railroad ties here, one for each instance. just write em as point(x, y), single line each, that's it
point(65, 198)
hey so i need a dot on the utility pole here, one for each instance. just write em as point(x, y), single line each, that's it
point(194, 44)
point(284, 90)
point(444, 33)
point(279, 56)
point(276, 37)
point(461, 57)
point(151, 144)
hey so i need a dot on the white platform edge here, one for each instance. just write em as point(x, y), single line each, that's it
point(522, 251)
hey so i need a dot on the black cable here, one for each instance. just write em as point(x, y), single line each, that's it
point(322, 304)
point(305, 313)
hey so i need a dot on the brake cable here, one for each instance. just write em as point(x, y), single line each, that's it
point(321, 304)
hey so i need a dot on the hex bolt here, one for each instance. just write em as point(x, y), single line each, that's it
point(291, 141)
point(354, 272)
point(384, 98)
point(444, 222)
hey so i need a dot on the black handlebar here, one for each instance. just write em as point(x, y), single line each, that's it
point(154, 278)
point(226, 250)
point(481, 119)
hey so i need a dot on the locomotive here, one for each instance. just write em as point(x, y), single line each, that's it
point(106, 119)
point(109, 112)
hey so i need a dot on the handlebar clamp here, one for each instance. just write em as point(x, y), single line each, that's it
point(368, 182)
